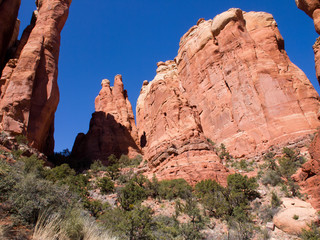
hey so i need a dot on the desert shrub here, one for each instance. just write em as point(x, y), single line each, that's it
point(153, 187)
point(134, 224)
point(267, 212)
point(95, 207)
point(105, 185)
point(125, 161)
point(176, 188)
point(165, 227)
point(312, 234)
point(271, 177)
point(8, 179)
point(275, 200)
point(132, 193)
point(289, 162)
point(125, 178)
point(31, 196)
point(64, 175)
point(113, 168)
point(223, 153)
point(213, 197)
point(295, 217)
point(21, 139)
point(97, 166)
point(241, 189)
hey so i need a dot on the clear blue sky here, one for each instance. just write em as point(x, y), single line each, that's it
point(104, 38)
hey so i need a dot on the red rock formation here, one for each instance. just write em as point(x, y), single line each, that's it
point(312, 9)
point(112, 127)
point(29, 92)
point(250, 96)
point(309, 175)
point(9, 26)
point(232, 82)
point(171, 135)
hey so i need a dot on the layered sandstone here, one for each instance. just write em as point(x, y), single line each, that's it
point(112, 128)
point(236, 76)
point(29, 89)
point(231, 82)
point(9, 27)
point(170, 131)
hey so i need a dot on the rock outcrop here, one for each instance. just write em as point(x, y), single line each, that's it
point(9, 27)
point(295, 215)
point(170, 131)
point(308, 176)
point(231, 82)
point(29, 89)
point(312, 9)
point(248, 93)
point(112, 127)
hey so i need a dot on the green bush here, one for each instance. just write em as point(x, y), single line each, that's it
point(105, 185)
point(32, 196)
point(312, 234)
point(21, 139)
point(132, 193)
point(64, 175)
point(271, 177)
point(213, 197)
point(275, 200)
point(97, 166)
point(176, 188)
point(135, 224)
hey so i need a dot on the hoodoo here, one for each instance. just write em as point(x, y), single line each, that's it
point(112, 127)
point(29, 89)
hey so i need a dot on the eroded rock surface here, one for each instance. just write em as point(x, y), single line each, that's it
point(231, 82)
point(294, 216)
point(170, 131)
point(112, 127)
point(248, 93)
point(29, 90)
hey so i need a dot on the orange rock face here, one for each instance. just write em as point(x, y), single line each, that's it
point(112, 127)
point(231, 82)
point(29, 90)
point(170, 132)
point(249, 95)
point(8, 23)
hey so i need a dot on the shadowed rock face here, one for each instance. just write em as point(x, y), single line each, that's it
point(112, 127)
point(29, 90)
point(9, 27)
point(231, 82)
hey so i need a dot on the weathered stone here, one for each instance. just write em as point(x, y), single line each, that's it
point(170, 132)
point(29, 93)
point(112, 127)
point(294, 216)
point(247, 92)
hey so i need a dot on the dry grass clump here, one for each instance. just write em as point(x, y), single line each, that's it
point(75, 226)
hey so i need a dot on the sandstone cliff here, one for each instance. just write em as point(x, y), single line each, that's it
point(231, 82)
point(112, 128)
point(29, 90)
point(170, 131)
